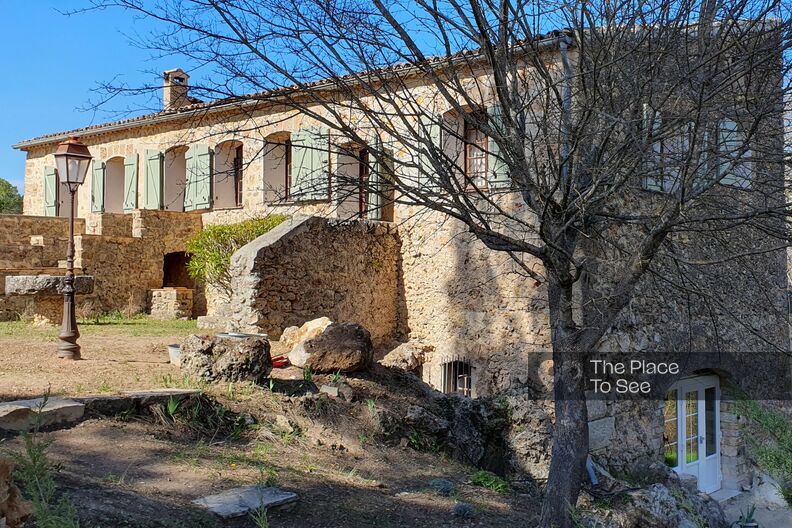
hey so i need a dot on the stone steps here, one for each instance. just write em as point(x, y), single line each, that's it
point(24, 415)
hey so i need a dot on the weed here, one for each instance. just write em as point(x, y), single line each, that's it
point(335, 379)
point(34, 477)
point(364, 439)
point(420, 442)
point(105, 387)
point(489, 480)
point(308, 374)
point(267, 477)
point(173, 406)
point(259, 517)
point(271, 384)
point(372, 405)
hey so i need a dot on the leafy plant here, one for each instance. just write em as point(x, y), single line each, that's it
point(770, 442)
point(489, 480)
point(33, 475)
point(308, 374)
point(173, 406)
point(372, 405)
point(746, 516)
point(335, 379)
point(211, 249)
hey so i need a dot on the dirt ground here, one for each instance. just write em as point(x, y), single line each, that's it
point(144, 471)
point(117, 355)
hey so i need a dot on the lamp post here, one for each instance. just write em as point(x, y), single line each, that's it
point(71, 160)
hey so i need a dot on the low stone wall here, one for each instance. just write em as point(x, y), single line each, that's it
point(309, 267)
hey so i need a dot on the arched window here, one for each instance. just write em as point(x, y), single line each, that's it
point(174, 179)
point(228, 170)
point(277, 167)
point(114, 185)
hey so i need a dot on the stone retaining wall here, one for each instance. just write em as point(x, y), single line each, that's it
point(309, 267)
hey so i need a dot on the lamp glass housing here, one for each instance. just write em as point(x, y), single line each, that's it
point(72, 160)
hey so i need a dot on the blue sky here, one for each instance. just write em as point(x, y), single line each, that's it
point(52, 62)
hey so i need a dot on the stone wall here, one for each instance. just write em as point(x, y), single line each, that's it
point(124, 253)
point(309, 267)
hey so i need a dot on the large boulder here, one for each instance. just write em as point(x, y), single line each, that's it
point(293, 339)
point(226, 358)
point(344, 347)
point(407, 356)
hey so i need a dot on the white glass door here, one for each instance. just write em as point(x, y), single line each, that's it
point(692, 432)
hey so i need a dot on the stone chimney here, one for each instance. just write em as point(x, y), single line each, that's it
point(174, 90)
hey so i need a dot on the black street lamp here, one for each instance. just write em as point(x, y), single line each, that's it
point(71, 159)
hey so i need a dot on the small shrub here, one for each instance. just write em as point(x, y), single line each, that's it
point(770, 442)
point(211, 249)
point(35, 479)
point(489, 480)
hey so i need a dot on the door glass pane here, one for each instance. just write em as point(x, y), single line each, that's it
point(710, 427)
point(670, 429)
point(691, 427)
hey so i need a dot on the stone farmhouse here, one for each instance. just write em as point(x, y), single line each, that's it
point(353, 256)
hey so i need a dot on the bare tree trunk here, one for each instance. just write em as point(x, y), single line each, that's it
point(570, 442)
point(570, 433)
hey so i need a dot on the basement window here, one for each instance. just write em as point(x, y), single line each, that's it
point(457, 378)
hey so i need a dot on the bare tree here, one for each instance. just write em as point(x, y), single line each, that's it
point(644, 141)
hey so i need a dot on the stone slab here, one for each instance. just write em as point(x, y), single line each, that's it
point(46, 285)
point(601, 432)
point(21, 415)
point(330, 390)
point(133, 401)
point(241, 501)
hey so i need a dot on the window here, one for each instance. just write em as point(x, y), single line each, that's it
point(475, 158)
point(457, 378)
point(364, 177)
point(734, 165)
point(287, 169)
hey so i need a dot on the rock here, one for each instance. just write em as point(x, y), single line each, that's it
point(298, 357)
point(14, 510)
point(342, 347)
point(658, 506)
point(407, 356)
point(292, 336)
point(442, 486)
point(22, 415)
point(240, 501)
point(463, 510)
point(283, 424)
point(46, 285)
point(421, 419)
point(346, 392)
point(330, 390)
point(226, 359)
point(601, 432)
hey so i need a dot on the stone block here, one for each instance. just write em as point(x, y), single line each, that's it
point(601, 432)
point(330, 390)
point(241, 501)
point(22, 415)
point(597, 409)
point(46, 285)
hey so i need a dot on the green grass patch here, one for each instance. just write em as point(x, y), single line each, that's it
point(489, 480)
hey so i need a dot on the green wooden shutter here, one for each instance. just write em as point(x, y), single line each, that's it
point(498, 168)
point(429, 127)
point(198, 193)
point(374, 196)
point(50, 192)
point(730, 164)
point(98, 187)
point(153, 194)
point(652, 179)
point(301, 164)
point(320, 173)
point(130, 182)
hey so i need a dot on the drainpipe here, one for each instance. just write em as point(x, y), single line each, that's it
point(566, 106)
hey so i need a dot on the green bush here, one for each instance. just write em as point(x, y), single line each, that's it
point(491, 481)
point(211, 249)
point(770, 442)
